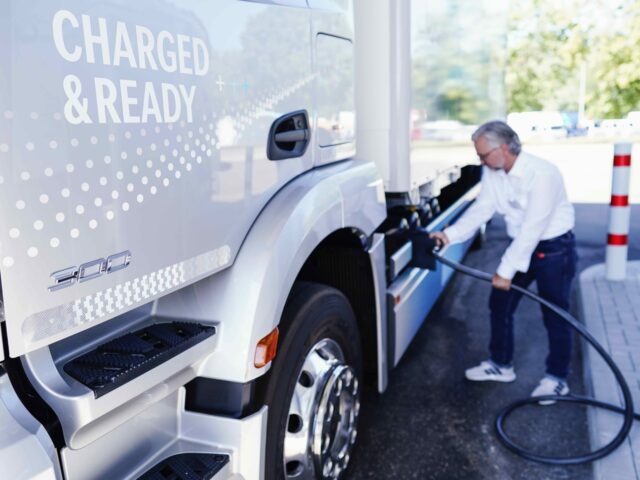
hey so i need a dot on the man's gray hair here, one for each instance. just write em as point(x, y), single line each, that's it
point(497, 133)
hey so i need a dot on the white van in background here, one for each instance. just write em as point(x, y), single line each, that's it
point(545, 124)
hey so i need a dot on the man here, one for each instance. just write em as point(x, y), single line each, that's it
point(529, 192)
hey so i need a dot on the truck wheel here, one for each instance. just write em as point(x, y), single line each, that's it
point(314, 390)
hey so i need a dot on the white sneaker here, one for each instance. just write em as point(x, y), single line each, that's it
point(489, 371)
point(550, 386)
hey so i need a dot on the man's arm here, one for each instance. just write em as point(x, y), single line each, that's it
point(476, 215)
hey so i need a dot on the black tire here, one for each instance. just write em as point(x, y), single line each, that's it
point(313, 312)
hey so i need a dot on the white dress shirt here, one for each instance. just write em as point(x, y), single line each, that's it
point(533, 200)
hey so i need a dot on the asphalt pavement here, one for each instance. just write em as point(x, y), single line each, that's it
point(433, 424)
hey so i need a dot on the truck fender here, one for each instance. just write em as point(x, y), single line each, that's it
point(247, 299)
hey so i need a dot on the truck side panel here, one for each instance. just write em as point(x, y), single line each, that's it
point(133, 149)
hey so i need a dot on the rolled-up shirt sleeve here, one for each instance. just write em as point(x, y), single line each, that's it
point(476, 215)
point(540, 206)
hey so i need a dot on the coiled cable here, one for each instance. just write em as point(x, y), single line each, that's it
point(626, 410)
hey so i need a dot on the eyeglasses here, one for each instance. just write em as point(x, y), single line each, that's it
point(483, 156)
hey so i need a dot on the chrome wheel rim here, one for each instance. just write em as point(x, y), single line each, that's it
point(323, 414)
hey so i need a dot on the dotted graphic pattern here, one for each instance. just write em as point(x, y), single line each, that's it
point(164, 155)
point(64, 192)
point(122, 297)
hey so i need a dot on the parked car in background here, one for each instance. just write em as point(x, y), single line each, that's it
point(633, 118)
point(616, 127)
point(574, 125)
point(545, 124)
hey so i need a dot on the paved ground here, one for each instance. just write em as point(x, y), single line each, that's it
point(611, 312)
point(432, 424)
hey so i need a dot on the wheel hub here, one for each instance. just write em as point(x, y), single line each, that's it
point(323, 415)
point(334, 430)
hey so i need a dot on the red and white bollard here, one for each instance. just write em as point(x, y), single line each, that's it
point(619, 213)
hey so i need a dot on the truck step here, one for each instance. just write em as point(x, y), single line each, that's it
point(187, 466)
point(122, 359)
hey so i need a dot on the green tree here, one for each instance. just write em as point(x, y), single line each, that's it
point(458, 69)
point(549, 42)
point(615, 86)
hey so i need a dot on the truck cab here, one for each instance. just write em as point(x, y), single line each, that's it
point(203, 218)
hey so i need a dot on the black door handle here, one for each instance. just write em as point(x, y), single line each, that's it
point(292, 136)
point(289, 136)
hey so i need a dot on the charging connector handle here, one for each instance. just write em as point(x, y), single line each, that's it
point(626, 410)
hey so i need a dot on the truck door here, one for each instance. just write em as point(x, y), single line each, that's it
point(133, 139)
point(334, 85)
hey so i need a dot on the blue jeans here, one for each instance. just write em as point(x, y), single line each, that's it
point(553, 266)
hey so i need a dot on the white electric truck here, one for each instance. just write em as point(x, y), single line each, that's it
point(201, 216)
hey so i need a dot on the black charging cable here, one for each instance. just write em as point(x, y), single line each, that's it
point(626, 410)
